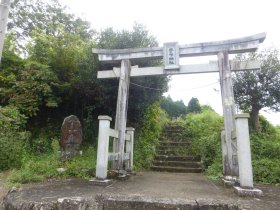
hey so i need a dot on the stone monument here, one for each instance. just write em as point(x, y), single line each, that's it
point(71, 137)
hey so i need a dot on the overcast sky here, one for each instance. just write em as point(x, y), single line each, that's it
point(189, 21)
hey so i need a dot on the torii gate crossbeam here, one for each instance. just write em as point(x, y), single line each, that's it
point(232, 46)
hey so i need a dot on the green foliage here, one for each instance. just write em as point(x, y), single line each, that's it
point(31, 88)
point(10, 117)
point(214, 171)
point(12, 139)
point(193, 106)
point(174, 109)
point(265, 148)
point(90, 128)
point(148, 136)
point(203, 124)
point(12, 143)
point(50, 17)
point(38, 168)
point(254, 90)
point(204, 130)
point(266, 170)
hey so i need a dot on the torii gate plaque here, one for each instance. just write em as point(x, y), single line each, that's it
point(171, 53)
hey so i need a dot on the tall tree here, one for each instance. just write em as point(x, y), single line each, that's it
point(50, 17)
point(173, 108)
point(60, 45)
point(254, 90)
point(193, 106)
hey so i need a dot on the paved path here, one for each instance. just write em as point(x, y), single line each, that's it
point(146, 190)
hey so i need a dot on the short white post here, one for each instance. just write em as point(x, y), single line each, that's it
point(103, 147)
point(129, 148)
point(244, 151)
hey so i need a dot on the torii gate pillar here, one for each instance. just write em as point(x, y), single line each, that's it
point(230, 159)
point(121, 113)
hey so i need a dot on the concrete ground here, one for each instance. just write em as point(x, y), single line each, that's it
point(146, 190)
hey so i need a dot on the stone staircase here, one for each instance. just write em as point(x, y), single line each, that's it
point(172, 154)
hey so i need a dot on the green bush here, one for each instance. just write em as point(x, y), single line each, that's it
point(12, 144)
point(214, 171)
point(10, 117)
point(12, 138)
point(266, 170)
point(148, 136)
point(38, 168)
point(265, 146)
point(204, 131)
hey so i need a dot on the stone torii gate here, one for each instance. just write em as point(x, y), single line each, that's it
point(171, 52)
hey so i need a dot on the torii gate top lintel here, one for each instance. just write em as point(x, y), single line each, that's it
point(231, 46)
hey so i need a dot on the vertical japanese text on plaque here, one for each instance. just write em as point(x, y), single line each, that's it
point(171, 56)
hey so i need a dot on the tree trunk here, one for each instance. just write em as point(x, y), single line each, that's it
point(255, 119)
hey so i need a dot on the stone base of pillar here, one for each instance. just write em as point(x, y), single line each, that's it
point(230, 181)
point(100, 182)
point(244, 192)
point(123, 177)
point(132, 173)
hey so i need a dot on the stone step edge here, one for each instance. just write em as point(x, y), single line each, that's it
point(187, 166)
point(128, 202)
point(175, 161)
point(180, 158)
point(176, 169)
point(173, 144)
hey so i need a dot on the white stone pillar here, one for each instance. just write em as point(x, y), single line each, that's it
point(244, 151)
point(103, 147)
point(129, 148)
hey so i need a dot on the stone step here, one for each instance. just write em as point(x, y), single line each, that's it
point(177, 158)
point(164, 144)
point(172, 127)
point(173, 131)
point(174, 139)
point(189, 164)
point(167, 152)
point(176, 169)
point(172, 147)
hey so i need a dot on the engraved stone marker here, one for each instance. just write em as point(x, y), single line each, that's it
point(71, 137)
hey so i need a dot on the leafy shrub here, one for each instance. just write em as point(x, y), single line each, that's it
point(12, 148)
point(148, 136)
point(266, 170)
point(90, 127)
point(38, 168)
point(204, 130)
point(10, 117)
point(12, 139)
point(214, 171)
point(265, 146)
